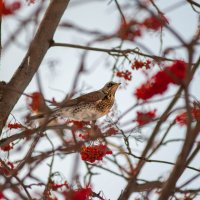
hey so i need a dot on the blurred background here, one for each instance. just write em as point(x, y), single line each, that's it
point(60, 67)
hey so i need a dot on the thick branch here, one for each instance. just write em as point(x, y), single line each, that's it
point(180, 164)
point(33, 58)
point(146, 186)
point(127, 192)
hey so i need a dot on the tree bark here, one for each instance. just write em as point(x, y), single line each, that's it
point(32, 60)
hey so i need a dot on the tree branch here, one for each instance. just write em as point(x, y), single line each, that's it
point(116, 52)
point(33, 58)
point(180, 164)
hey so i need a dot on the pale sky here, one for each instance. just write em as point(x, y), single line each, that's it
point(57, 81)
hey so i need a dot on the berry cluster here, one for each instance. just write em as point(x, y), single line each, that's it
point(34, 105)
point(158, 84)
point(6, 147)
point(124, 74)
point(182, 118)
point(133, 29)
point(137, 64)
point(55, 186)
point(9, 9)
point(129, 30)
point(145, 117)
point(14, 125)
point(81, 194)
point(93, 153)
point(6, 170)
point(155, 22)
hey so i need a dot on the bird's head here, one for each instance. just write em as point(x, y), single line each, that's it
point(110, 88)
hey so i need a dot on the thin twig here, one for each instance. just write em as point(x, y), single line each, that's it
point(117, 52)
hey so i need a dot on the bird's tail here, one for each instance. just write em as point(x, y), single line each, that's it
point(38, 116)
point(49, 116)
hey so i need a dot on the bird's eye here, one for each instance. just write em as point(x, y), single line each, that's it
point(110, 84)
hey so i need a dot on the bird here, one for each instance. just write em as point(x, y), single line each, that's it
point(87, 107)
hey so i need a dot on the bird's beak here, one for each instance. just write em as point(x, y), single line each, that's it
point(115, 86)
point(118, 84)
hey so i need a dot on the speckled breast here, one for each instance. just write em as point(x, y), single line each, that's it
point(83, 112)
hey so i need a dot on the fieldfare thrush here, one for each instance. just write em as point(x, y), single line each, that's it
point(88, 107)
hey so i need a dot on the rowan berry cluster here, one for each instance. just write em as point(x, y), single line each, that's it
point(6, 169)
point(14, 125)
point(35, 102)
point(145, 117)
point(134, 29)
point(9, 9)
point(127, 75)
point(138, 64)
point(93, 153)
point(182, 118)
point(158, 84)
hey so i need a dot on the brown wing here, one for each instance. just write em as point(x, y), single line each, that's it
point(89, 97)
